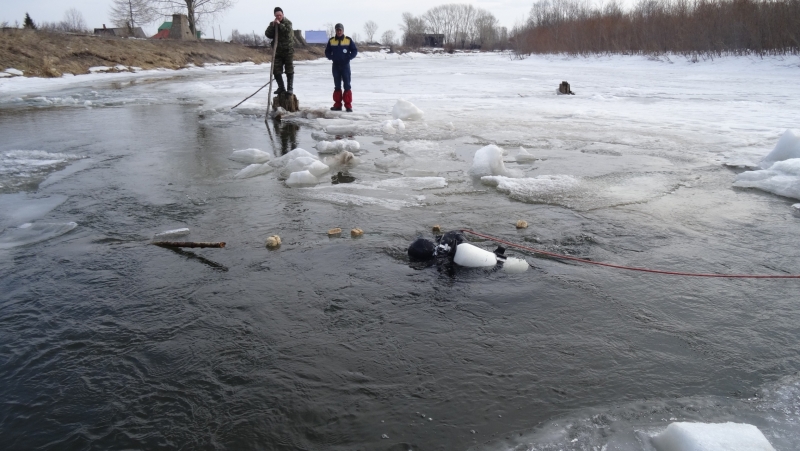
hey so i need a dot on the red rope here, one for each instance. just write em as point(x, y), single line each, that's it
point(630, 268)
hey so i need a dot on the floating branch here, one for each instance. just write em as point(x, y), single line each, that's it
point(188, 244)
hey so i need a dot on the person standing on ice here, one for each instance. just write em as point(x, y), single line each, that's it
point(341, 49)
point(284, 54)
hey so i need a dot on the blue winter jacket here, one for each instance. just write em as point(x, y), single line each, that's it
point(341, 50)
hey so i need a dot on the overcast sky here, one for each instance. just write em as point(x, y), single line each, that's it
point(252, 15)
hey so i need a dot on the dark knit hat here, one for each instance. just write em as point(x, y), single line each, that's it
point(277, 8)
point(339, 27)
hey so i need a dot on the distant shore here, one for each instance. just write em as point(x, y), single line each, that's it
point(46, 54)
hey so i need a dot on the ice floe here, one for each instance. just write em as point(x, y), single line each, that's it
point(283, 160)
point(250, 156)
point(312, 165)
point(780, 173)
point(254, 170)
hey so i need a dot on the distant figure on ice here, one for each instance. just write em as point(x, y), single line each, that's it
point(284, 54)
point(341, 49)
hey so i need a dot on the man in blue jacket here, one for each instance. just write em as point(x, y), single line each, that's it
point(341, 49)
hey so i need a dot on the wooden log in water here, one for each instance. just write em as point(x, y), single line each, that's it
point(189, 244)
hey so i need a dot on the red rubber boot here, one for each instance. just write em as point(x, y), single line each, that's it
point(348, 100)
point(337, 100)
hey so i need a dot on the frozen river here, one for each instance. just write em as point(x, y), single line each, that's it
point(336, 343)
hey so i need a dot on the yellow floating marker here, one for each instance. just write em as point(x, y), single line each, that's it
point(437, 229)
point(521, 224)
point(356, 233)
point(334, 231)
point(273, 241)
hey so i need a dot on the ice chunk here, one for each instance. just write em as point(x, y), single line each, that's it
point(489, 161)
point(285, 159)
point(171, 234)
point(250, 156)
point(13, 71)
point(32, 233)
point(711, 437)
point(406, 111)
point(515, 265)
point(253, 170)
point(388, 129)
point(781, 178)
point(788, 147)
point(301, 178)
point(349, 145)
point(312, 165)
point(392, 127)
point(524, 157)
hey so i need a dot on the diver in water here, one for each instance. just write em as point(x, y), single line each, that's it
point(453, 247)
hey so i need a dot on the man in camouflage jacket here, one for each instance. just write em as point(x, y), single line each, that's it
point(284, 55)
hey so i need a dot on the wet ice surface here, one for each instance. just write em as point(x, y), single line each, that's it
point(332, 343)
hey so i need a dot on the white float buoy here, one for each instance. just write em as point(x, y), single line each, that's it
point(473, 257)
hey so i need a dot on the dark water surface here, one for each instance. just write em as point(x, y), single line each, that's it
point(107, 342)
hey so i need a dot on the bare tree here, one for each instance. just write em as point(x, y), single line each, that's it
point(413, 30)
point(370, 28)
point(248, 38)
point(330, 28)
point(74, 22)
point(388, 37)
point(133, 13)
point(196, 10)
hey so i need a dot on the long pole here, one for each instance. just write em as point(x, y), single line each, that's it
point(271, 67)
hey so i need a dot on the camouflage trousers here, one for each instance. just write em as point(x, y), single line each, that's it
point(283, 61)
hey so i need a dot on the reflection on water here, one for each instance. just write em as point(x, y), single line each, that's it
point(286, 133)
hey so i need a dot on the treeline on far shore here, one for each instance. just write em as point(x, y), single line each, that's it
point(699, 28)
